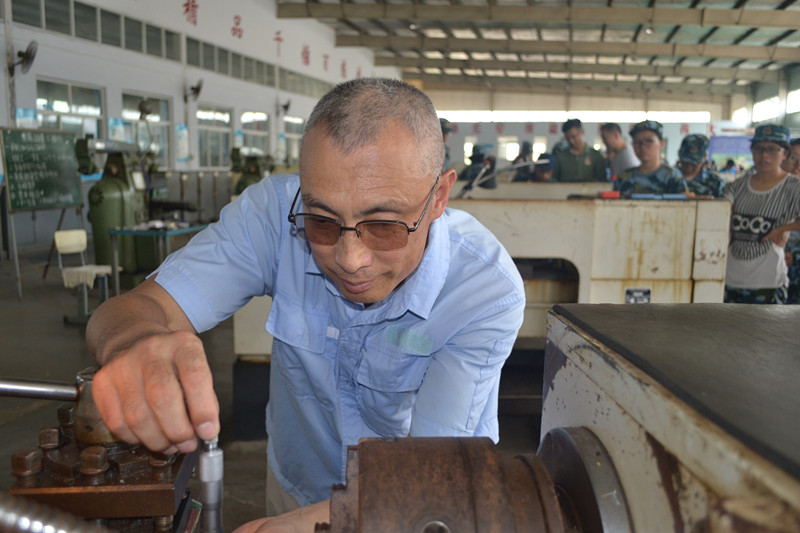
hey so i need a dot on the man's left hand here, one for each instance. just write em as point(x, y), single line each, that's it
point(300, 520)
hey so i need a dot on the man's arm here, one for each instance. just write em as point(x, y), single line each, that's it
point(458, 393)
point(155, 386)
point(300, 520)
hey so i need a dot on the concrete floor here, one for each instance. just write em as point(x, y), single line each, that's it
point(36, 344)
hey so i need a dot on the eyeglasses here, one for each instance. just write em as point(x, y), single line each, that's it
point(379, 235)
point(771, 150)
point(645, 142)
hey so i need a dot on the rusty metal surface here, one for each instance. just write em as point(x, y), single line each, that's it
point(425, 485)
point(735, 365)
point(78, 467)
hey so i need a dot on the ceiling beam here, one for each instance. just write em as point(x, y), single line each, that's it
point(745, 18)
point(607, 88)
point(743, 52)
point(757, 75)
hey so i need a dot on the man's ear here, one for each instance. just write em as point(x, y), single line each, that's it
point(442, 193)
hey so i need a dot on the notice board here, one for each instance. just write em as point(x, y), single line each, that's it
point(41, 169)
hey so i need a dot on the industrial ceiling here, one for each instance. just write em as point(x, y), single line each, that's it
point(712, 47)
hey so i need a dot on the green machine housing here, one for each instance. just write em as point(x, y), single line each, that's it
point(120, 199)
point(249, 166)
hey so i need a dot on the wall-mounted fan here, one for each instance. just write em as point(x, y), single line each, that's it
point(25, 59)
point(193, 91)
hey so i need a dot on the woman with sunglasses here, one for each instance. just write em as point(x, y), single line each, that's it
point(653, 175)
point(766, 206)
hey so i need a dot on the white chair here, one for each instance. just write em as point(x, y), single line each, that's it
point(74, 242)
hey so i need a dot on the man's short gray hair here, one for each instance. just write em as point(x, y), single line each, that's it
point(354, 113)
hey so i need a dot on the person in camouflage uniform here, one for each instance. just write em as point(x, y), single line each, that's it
point(693, 162)
point(653, 175)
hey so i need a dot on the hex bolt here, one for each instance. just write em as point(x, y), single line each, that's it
point(49, 438)
point(66, 420)
point(161, 465)
point(94, 464)
point(25, 465)
point(162, 524)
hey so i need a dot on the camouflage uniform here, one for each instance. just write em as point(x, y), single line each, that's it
point(708, 183)
point(793, 247)
point(665, 180)
point(777, 295)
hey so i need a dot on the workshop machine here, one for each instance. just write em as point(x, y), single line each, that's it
point(592, 250)
point(119, 199)
point(125, 196)
point(659, 417)
point(79, 468)
point(249, 166)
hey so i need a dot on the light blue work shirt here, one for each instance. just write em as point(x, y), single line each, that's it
point(424, 361)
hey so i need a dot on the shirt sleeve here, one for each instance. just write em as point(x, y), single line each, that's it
point(230, 261)
point(458, 395)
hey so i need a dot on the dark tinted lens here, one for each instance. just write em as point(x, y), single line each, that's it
point(383, 235)
point(318, 230)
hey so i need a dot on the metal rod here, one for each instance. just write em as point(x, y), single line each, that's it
point(43, 390)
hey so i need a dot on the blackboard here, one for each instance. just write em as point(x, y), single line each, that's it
point(41, 169)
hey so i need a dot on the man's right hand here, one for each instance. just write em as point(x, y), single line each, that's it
point(159, 393)
point(155, 386)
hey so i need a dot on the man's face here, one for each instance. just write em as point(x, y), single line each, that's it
point(611, 139)
point(574, 137)
point(768, 156)
point(542, 174)
point(690, 169)
point(647, 146)
point(792, 163)
point(383, 180)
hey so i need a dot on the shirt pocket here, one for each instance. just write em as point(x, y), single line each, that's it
point(298, 354)
point(388, 380)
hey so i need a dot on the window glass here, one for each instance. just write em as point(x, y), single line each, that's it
point(149, 130)
point(71, 123)
point(236, 65)
point(86, 101)
point(85, 21)
point(255, 120)
point(27, 12)
point(155, 41)
point(110, 28)
point(133, 35)
point(56, 16)
point(52, 96)
point(192, 52)
point(208, 56)
point(293, 125)
point(214, 133)
point(223, 63)
point(249, 69)
point(173, 45)
point(69, 107)
point(47, 122)
point(260, 73)
point(202, 146)
point(214, 148)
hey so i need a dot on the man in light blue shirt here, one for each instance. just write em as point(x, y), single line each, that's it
point(392, 315)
